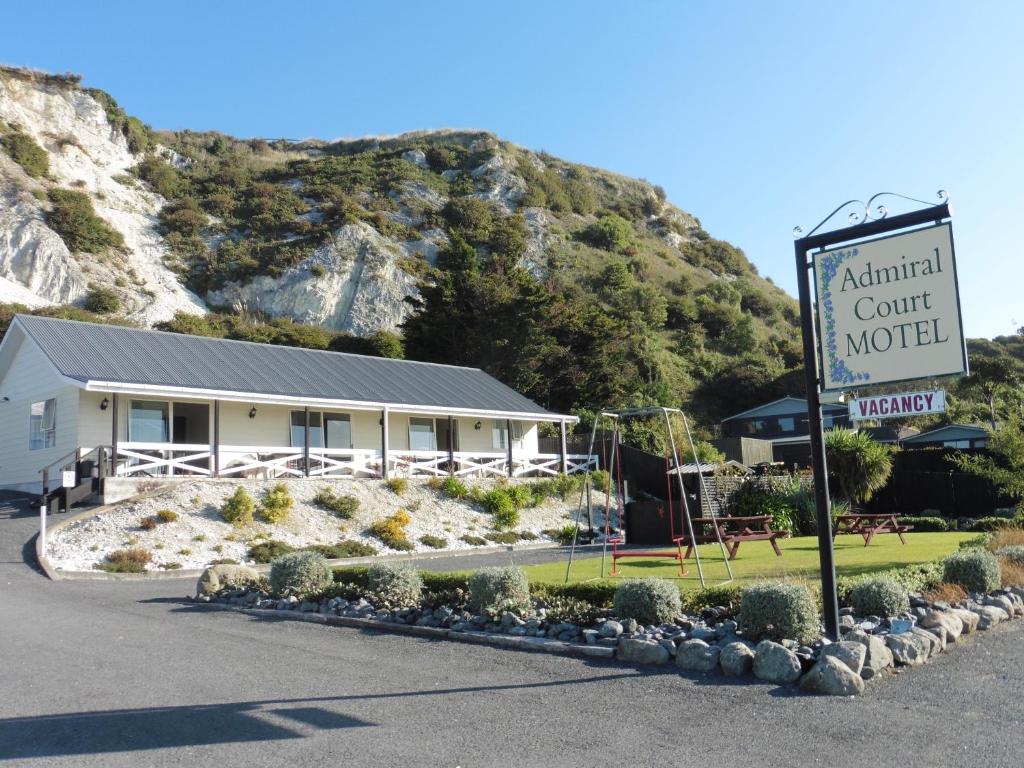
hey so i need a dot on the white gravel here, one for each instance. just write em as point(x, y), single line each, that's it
point(191, 540)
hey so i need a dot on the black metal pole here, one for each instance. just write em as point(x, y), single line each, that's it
point(830, 604)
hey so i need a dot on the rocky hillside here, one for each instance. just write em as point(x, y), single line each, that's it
point(396, 234)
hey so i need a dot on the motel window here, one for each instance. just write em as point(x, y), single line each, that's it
point(147, 422)
point(499, 435)
point(42, 425)
point(787, 424)
point(957, 444)
point(756, 426)
point(421, 435)
point(298, 429)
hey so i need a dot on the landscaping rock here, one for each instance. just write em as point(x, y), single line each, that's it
point(935, 643)
point(831, 677)
point(218, 577)
point(726, 629)
point(1001, 601)
point(969, 619)
point(907, 649)
point(989, 616)
point(640, 652)
point(775, 663)
point(851, 653)
point(736, 659)
point(703, 633)
point(953, 625)
point(610, 628)
point(877, 656)
point(697, 656)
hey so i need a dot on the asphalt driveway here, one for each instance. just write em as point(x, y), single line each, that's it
point(129, 674)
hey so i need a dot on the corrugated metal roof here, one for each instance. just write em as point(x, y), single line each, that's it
point(784, 407)
point(706, 469)
point(132, 356)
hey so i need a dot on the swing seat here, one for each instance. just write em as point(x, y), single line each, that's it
point(617, 555)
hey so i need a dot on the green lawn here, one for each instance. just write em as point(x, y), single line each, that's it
point(757, 560)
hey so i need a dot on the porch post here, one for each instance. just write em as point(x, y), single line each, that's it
point(305, 444)
point(563, 448)
point(216, 438)
point(384, 460)
point(451, 448)
point(113, 435)
point(508, 445)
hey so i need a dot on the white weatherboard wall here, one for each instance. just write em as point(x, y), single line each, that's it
point(29, 379)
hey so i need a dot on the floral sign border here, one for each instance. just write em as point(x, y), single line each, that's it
point(838, 371)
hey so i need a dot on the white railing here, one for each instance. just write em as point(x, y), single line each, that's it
point(183, 459)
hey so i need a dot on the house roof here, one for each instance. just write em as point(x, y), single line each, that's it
point(887, 433)
point(113, 358)
point(949, 432)
point(784, 406)
point(708, 468)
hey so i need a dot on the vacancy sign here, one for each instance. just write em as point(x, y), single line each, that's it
point(889, 310)
point(899, 404)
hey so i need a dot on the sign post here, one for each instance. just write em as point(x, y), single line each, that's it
point(884, 316)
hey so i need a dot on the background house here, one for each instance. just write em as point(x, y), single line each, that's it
point(961, 436)
point(783, 423)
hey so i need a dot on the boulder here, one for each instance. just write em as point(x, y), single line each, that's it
point(949, 621)
point(775, 663)
point(907, 649)
point(610, 628)
point(989, 616)
point(851, 653)
point(736, 659)
point(634, 651)
point(226, 576)
point(877, 656)
point(697, 656)
point(831, 677)
point(969, 619)
point(1001, 601)
point(934, 639)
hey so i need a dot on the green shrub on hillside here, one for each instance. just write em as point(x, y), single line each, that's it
point(102, 301)
point(277, 504)
point(498, 503)
point(397, 485)
point(132, 560)
point(342, 506)
point(391, 531)
point(24, 150)
point(239, 508)
point(74, 219)
point(454, 488)
point(268, 551)
point(611, 232)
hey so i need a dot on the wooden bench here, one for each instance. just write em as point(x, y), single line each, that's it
point(868, 525)
point(733, 532)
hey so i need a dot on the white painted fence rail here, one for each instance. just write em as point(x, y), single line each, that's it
point(184, 459)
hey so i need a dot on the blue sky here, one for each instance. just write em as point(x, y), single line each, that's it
point(755, 117)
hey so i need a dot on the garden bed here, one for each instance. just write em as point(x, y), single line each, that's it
point(184, 528)
point(770, 630)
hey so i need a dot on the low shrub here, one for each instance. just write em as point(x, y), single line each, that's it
point(239, 508)
point(167, 515)
point(598, 593)
point(277, 504)
point(879, 597)
point(473, 541)
point(563, 485)
point(184, 551)
point(299, 574)
point(224, 561)
point(992, 523)
point(926, 524)
point(502, 537)
point(563, 535)
point(520, 496)
point(268, 551)
point(26, 152)
point(728, 596)
point(1013, 553)
point(435, 483)
point(601, 480)
point(779, 611)
point(352, 574)
point(391, 531)
point(499, 505)
point(395, 585)
point(445, 582)
point(434, 542)
point(199, 537)
point(172, 566)
point(74, 219)
point(976, 570)
point(342, 549)
point(131, 560)
point(528, 536)
point(648, 600)
point(102, 301)
point(493, 590)
point(914, 578)
point(1005, 537)
point(561, 608)
point(454, 488)
point(342, 506)
point(1011, 573)
point(397, 485)
point(147, 523)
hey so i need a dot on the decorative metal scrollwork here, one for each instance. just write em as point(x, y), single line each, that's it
point(864, 212)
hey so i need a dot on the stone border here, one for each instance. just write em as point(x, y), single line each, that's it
point(57, 574)
point(508, 642)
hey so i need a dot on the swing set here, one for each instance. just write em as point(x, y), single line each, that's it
point(614, 464)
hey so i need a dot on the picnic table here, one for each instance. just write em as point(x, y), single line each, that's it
point(733, 532)
point(868, 525)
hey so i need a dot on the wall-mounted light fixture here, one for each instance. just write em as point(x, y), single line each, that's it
point(252, 412)
point(478, 425)
point(104, 404)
